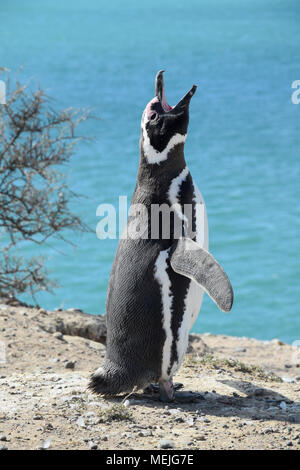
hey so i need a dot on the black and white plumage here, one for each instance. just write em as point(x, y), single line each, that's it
point(157, 284)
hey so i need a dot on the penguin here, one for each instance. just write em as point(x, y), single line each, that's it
point(157, 281)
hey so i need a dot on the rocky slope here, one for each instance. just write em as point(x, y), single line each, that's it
point(247, 392)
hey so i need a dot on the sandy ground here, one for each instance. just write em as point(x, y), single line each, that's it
point(247, 394)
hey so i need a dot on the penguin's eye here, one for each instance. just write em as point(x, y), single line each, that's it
point(153, 116)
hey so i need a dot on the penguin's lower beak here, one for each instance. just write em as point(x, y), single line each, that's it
point(185, 101)
point(160, 93)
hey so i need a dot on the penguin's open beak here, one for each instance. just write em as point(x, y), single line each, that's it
point(160, 93)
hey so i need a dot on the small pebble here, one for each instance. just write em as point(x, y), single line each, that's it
point(179, 419)
point(128, 403)
point(289, 380)
point(58, 335)
point(277, 341)
point(190, 421)
point(70, 364)
point(46, 444)
point(269, 430)
point(93, 446)
point(145, 433)
point(80, 422)
point(166, 444)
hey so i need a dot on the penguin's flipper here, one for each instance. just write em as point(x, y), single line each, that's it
point(192, 261)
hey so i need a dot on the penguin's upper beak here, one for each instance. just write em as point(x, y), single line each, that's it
point(160, 93)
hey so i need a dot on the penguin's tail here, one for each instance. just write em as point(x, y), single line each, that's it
point(110, 382)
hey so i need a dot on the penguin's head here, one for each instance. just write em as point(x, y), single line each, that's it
point(164, 126)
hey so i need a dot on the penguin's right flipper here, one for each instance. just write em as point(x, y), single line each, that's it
point(192, 261)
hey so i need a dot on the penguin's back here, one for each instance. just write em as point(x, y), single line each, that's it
point(134, 311)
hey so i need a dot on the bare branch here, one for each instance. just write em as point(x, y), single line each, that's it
point(34, 197)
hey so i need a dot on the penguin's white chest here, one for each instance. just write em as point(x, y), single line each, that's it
point(194, 295)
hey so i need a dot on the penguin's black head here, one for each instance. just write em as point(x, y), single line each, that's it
point(164, 126)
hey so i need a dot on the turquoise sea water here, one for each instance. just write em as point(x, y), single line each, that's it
point(243, 147)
